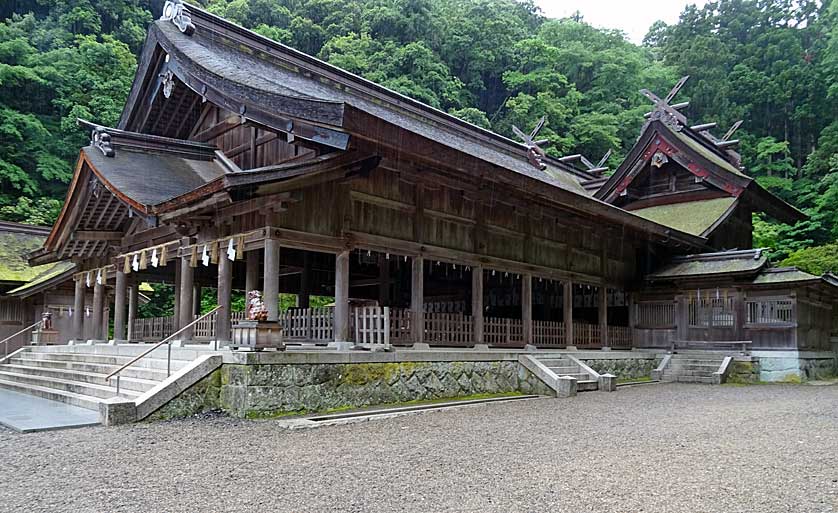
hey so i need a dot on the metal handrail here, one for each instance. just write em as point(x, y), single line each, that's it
point(6, 340)
point(166, 340)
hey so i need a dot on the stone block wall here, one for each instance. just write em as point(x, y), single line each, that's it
point(624, 368)
point(796, 368)
point(260, 391)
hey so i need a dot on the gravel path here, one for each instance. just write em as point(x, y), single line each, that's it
point(665, 448)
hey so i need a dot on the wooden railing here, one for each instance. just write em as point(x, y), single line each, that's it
point(770, 312)
point(655, 314)
point(372, 326)
point(619, 337)
point(153, 328)
point(586, 336)
point(449, 329)
point(308, 324)
point(548, 334)
point(401, 326)
point(499, 331)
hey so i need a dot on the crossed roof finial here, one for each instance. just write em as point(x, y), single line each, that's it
point(597, 168)
point(534, 152)
point(666, 110)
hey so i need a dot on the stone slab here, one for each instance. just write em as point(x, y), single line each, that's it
point(26, 413)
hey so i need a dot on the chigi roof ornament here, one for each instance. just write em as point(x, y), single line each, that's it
point(534, 152)
point(175, 11)
point(664, 109)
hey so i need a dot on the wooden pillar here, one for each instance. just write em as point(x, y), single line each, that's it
point(304, 297)
point(383, 281)
point(98, 310)
point(526, 307)
point(251, 277)
point(342, 298)
point(225, 291)
point(133, 297)
point(568, 312)
point(602, 311)
point(78, 309)
point(417, 301)
point(187, 276)
point(477, 303)
point(271, 279)
point(176, 308)
point(120, 297)
point(196, 299)
point(632, 316)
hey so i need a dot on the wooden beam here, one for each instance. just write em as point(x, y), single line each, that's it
point(218, 129)
point(96, 235)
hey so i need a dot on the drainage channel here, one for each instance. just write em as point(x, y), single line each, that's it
point(418, 407)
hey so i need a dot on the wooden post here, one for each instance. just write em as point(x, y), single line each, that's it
point(632, 317)
point(251, 277)
point(568, 313)
point(225, 290)
point(602, 311)
point(383, 281)
point(176, 308)
point(526, 307)
point(304, 297)
point(477, 304)
point(417, 302)
point(78, 309)
point(121, 294)
point(196, 299)
point(98, 310)
point(186, 314)
point(133, 297)
point(342, 300)
point(271, 279)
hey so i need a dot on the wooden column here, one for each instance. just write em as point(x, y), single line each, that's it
point(187, 276)
point(526, 306)
point(120, 297)
point(78, 309)
point(383, 281)
point(176, 308)
point(196, 299)
point(271, 279)
point(477, 303)
point(133, 297)
point(568, 312)
point(417, 301)
point(225, 291)
point(251, 277)
point(602, 311)
point(98, 310)
point(304, 297)
point(342, 298)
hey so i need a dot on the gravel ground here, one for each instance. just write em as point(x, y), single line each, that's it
point(663, 448)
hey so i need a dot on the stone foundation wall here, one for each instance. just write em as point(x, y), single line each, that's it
point(796, 368)
point(259, 391)
point(744, 372)
point(624, 368)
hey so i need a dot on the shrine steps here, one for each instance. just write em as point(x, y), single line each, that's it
point(706, 368)
point(563, 366)
point(77, 375)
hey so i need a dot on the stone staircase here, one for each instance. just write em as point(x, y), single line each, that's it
point(563, 366)
point(76, 374)
point(694, 368)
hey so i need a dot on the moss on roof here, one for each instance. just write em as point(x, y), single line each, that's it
point(693, 217)
point(708, 153)
point(783, 275)
point(14, 253)
point(746, 261)
point(49, 272)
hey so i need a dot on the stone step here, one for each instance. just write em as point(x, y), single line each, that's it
point(80, 400)
point(695, 366)
point(700, 361)
point(75, 387)
point(561, 371)
point(688, 373)
point(557, 362)
point(127, 383)
point(587, 385)
point(694, 379)
point(148, 362)
point(580, 376)
point(134, 371)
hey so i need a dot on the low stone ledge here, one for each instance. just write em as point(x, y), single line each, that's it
point(176, 384)
point(607, 382)
point(117, 410)
point(566, 386)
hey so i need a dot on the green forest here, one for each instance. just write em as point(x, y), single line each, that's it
point(494, 63)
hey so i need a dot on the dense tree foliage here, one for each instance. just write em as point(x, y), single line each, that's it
point(494, 63)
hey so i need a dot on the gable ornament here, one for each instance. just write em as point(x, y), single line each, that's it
point(177, 13)
point(101, 139)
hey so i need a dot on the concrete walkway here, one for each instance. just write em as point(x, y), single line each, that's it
point(26, 413)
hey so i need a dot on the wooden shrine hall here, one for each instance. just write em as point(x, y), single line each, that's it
point(242, 164)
